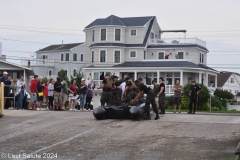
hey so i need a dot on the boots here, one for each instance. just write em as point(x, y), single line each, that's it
point(148, 116)
point(157, 117)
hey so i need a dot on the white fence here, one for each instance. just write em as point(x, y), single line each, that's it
point(177, 41)
point(37, 62)
point(234, 107)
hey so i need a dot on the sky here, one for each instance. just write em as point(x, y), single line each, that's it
point(29, 25)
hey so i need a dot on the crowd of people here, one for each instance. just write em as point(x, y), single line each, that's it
point(115, 91)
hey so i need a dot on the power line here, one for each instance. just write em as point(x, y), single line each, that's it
point(6, 39)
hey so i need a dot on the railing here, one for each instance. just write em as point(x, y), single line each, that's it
point(37, 62)
point(168, 88)
point(177, 41)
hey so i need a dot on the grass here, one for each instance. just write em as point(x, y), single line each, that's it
point(204, 111)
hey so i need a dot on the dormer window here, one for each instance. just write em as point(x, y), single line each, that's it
point(117, 34)
point(201, 57)
point(133, 32)
point(103, 34)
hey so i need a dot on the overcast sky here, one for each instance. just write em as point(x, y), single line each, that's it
point(215, 21)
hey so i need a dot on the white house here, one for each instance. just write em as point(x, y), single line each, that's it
point(229, 81)
point(134, 46)
point(50, 60)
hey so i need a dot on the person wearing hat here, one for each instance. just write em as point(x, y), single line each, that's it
point(82, 93)
point(161, 95)
point(155, 89)
point(116, 91)
point(194, 91)
point(130, 91)
point(107, 85)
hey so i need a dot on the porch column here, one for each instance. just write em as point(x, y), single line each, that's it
point(158, 76)
point(206, 82)
point(135, 75)
point(200, 78)
point(215, 85)
point(181, 77)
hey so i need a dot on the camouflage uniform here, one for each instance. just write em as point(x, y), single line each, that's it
point(107, 92)
point(151, 100)
point(131, 94)
point(116, 96)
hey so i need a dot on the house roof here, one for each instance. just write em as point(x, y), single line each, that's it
point(167, 63)
point(114, 20)
point(59, 47)
point(29, 70)
point(222, 78)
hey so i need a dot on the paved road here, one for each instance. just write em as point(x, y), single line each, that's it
point(77, 135)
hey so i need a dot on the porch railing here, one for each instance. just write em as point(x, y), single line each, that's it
point(37, 62)
point(168, 88)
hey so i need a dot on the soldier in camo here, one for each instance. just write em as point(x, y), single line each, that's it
point(107, 85)
point(130, 91)
point(116, 92)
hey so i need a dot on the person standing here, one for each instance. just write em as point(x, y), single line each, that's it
point(116, 92)
point(107, 85)
point(7, 92)
point(40, 88)
point(57, 94)
point(73, 89)
point(130, 91)
point(194, 91)
point(177, 97)
point(50, 93)
point(14, 93)
point(89, 98)
point(20, 89)
point(149, 100)
point(64, 92)
point(33, 94)
point(4, 80)
point(82, 93)
point(45, 94)
point(156, 89)
point(161, 95)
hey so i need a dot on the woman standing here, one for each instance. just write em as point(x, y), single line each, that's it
point(40, 87)
point(73, 89)
point(89, 96)
point(20, 89)
point(45, 94)
point(50, 93)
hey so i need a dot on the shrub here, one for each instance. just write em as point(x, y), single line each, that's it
point(217, 103)
point(223, 94)
point(231, 103)
point(185, 100)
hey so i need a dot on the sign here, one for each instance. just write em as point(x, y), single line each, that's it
point(211, 90)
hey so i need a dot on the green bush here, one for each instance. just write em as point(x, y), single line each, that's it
point(231, 103)
point(169, 100)
point(223, 94)
point(185, 100)
point(217, 103)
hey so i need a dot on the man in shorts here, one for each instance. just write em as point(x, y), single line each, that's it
point(33, 94)
point(57, 94)
point(177, 96)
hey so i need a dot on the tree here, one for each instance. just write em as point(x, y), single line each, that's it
point(203, 96)
point(79, 76)
point(223, 94)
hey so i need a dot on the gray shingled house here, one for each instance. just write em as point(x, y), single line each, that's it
point(135, 46)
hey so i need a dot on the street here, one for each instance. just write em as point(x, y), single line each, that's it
point(78, 135)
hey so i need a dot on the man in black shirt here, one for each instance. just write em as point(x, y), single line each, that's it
point(194, 90)
point(57, 94)
point(107, 86)
point(149, 100)
point(161, 95)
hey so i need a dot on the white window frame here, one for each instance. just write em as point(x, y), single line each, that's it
point(183, 53)
point(120, 34)
point(67, 72)
point(130, 53)
point(101, 35)
point(231, 80)
point(61, 57)
point(81, 54)
point(131, 33)
point(68, 57)
point(44, 60)
point(164, 54)
point(51, 73)
point(73, 57)
point(114, 55)
point(73, 72)
point(100, 55)
point(45, 55)
point(153, 35)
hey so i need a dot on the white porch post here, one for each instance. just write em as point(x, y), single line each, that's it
point(135, 75)
point(181, 77)
point(200, 78)
point(206, 82)
point(158, 77)
point(215, 81)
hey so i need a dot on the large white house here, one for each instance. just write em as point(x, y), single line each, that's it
point(51, 59)
point(134, 46)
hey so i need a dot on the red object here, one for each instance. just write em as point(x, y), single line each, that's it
point(166, 57)
point(45, 91)
point(74, 89)
point(33, 86)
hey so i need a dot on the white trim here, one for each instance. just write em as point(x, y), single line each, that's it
point(14, 65)
point(101, 35)
point(183, 53)
point(67, 72)
point(45, 55)
point(105, 55)
point(68, 57)
point(114, 55)
point(81, 54)
point(164, 54)
point(130, 53)
point(61, 57)
point(73, 57)
point(131, 33)
point(97, 26)
point(115, 34)
point(73, 71)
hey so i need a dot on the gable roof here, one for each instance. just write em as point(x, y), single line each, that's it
point(28, 70)
point(222, 78)
point(60, 47)
point(114, 20)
